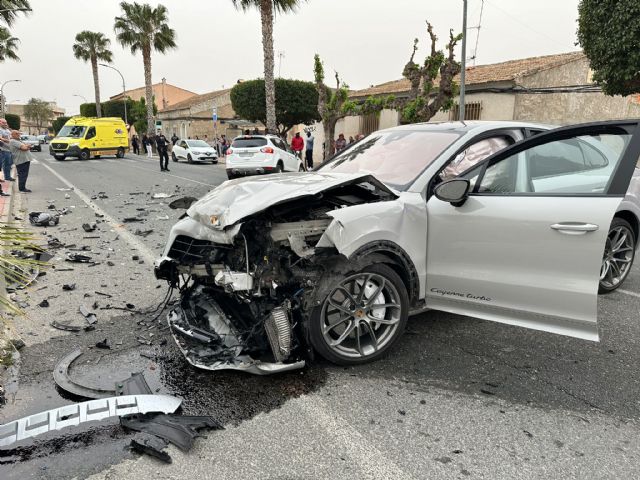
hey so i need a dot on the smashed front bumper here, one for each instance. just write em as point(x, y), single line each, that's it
point(218, 346)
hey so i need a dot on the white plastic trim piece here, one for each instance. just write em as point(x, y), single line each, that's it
point(77, 413)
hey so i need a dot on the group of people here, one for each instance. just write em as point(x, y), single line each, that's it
point(298, 144)
point(14, 152)
point(341, 142)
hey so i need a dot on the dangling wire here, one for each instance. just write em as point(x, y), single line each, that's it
point(475, 51)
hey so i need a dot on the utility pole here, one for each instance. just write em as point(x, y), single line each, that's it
point(463, 71)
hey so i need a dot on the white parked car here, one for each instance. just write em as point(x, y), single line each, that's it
point(194, 151)
point(259, 154)
point(503, 221)
point(32, 141)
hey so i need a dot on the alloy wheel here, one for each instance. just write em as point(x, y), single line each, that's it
point(618, 256)
point(361, 315)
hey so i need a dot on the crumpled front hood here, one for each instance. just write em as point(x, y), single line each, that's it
point(236, 199)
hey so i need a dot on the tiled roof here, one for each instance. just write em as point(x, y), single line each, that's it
point(496, 72)
point(195, 100)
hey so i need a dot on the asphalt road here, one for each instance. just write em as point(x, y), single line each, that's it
point(458, 398)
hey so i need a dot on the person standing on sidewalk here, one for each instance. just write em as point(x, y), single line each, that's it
point(309, 151)
point(162, 146)
point(21, 158)
point(297, 145)
point(135, 145)
point(5, 152)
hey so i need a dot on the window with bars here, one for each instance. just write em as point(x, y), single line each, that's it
point(472, 111)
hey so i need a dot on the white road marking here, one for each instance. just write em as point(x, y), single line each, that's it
point(627, 292)
point(145, 252)
point(372, 462)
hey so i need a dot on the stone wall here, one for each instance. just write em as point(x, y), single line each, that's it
point(573, 107)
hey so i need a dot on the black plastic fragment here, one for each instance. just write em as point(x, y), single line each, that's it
point(44, 303)
point(64, 326)
point(89, 227)
point(134, 385)
point(151, 445)
point(78, 258)
point(69, 286)
point(43, 219)
point(104, 344)
point(177, 429)
point(65, 382)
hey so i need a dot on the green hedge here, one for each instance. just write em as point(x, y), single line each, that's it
point(13, 121)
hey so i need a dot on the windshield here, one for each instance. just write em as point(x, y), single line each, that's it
point(72, 131)
point(397, 158)
point(197, 143)
point(29, 138)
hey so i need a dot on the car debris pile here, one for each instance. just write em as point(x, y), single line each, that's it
point(152, 417)
point(250, 273)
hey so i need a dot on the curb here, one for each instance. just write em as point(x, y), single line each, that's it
point(7, 328)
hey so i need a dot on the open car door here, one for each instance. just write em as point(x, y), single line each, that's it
point(525, 245)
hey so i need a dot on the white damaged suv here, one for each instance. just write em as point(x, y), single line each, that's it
point(503, 221)
point(260, 154)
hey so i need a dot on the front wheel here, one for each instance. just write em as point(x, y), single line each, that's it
point(618, 255)
point(173, 157)
point(362, 317)
point(189, 158)
point(59, 157)
point(85, 154)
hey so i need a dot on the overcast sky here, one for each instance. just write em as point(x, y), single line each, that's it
point(366, 41)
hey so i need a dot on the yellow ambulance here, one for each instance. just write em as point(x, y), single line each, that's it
point(84, 138)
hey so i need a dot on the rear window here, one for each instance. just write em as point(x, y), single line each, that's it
point(249, 142)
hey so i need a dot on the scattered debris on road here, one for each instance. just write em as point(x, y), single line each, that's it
point(89, 316)
point(184, 202)
point(78, 258)
point(43, 219)
point(104, 344)
point(157, 196)
point(89, 227)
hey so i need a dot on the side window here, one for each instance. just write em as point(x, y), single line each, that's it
point(577, 165)
point(183, 144)
point(473, 155)
point(278, 144)
point(90, 133)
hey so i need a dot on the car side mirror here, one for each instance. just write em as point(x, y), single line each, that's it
point(453, 191)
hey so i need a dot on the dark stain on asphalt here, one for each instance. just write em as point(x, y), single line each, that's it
point(231, 397)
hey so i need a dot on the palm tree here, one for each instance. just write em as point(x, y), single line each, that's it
point(9, 10)
point(145, 28)
point(8, 46)
point(91, 47)
point(267, 8)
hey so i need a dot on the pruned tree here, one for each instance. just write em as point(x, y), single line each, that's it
point(609, 34)
point(39, 112)
point(91, 47)
point(433, 88)
point(331, 104)
point(425, 98)
point(296, 102)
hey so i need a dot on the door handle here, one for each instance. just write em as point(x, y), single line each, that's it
point(575, 227)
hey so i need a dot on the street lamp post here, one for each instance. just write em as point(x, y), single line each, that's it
point(463, 71)
point(2, 102)
point(84, 99)
point(124, 89)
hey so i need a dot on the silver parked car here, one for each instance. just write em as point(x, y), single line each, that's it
point(503, 221)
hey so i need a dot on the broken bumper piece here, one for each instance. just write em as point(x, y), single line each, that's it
point(77, 413)
point(218, 346)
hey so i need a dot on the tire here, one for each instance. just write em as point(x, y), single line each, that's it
point(120, 153)
point(278, 168)
point(189, 158)
point(350, 350)
point(173, 157)
point(619, 253)
point(230, 175)
point(301, 169)
point(59, 157)
point(85, 154)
